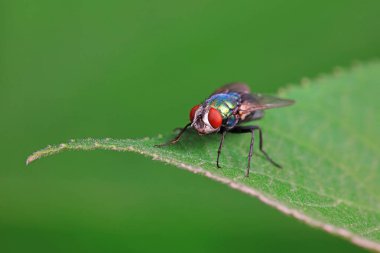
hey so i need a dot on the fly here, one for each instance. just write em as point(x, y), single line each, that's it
point(225, 110)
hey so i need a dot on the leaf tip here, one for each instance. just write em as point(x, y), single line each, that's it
point(30, 159)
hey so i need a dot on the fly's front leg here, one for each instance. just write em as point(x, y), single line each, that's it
point(176, 139)
point(220, 148)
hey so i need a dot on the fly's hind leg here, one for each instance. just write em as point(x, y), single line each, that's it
point(251, 129)
point(261, 144)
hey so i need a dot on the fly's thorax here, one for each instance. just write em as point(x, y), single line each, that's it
point(231, 121)
point(228, 105)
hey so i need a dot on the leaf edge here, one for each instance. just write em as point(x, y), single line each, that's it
point(283, 208)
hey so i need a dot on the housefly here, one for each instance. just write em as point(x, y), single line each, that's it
point(225, 110)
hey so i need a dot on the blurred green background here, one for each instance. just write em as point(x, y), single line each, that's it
point(129, 69)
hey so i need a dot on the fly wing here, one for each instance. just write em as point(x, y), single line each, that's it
point(240, 88)
point(252, 103)
point(263, 102)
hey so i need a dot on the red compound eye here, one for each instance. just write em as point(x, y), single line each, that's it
point(215, 118)
point(192, 112)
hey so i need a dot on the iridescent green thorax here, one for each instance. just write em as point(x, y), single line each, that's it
point(227, 104)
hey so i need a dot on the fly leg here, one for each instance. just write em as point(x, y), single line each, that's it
point(176, 139)
point(261, 144)
point(220, 148)
point(251, 129)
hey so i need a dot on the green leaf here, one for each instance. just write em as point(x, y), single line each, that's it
point(328, 144)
